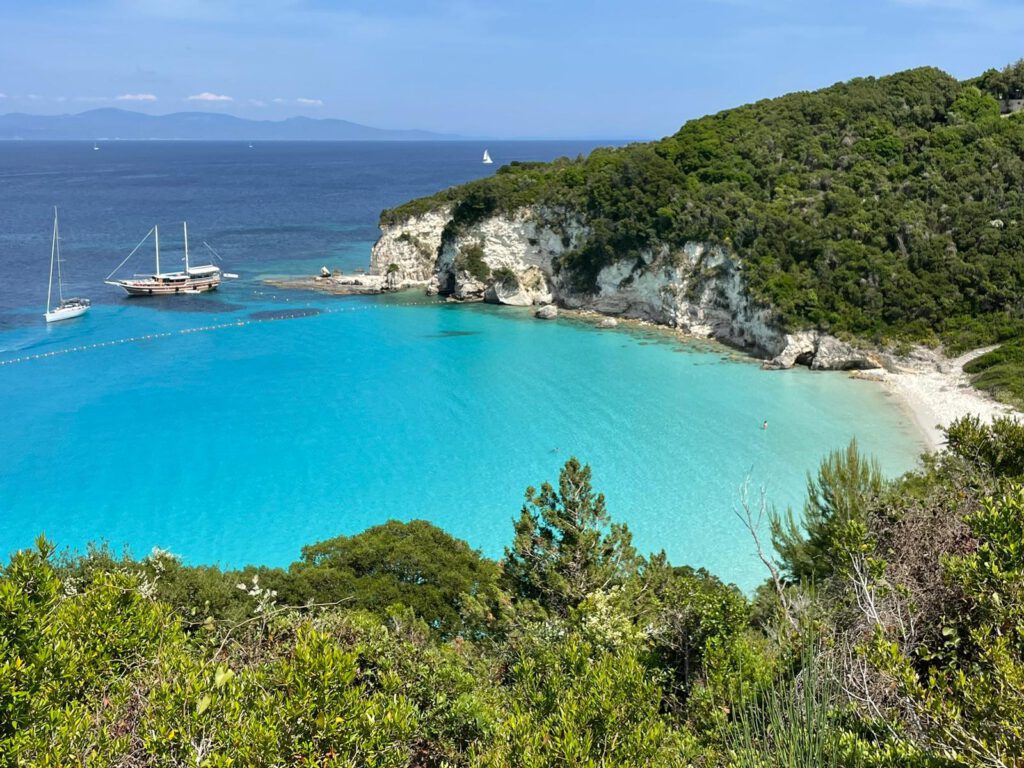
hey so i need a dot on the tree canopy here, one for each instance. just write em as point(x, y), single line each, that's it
point(885, 208)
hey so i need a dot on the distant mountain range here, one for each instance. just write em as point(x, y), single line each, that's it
point(112, 123)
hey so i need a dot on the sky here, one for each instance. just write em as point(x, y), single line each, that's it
point(632, 69)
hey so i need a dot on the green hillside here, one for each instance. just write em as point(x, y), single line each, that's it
point(886, 208)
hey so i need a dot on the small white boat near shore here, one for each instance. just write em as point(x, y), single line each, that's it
point(66, 308)
point(487, 158)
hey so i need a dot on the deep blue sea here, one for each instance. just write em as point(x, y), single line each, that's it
point(235, 427)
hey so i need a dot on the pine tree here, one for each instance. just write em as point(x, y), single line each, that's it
point(811, 548)
point(565, 544)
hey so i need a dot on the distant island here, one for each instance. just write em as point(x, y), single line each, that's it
point(111, 123)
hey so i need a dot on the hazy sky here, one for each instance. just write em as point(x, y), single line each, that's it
point(559, 68)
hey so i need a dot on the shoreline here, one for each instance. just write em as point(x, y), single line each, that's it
point(932, 394)
point(936, 396)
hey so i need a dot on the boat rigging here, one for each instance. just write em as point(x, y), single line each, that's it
point(192, 280)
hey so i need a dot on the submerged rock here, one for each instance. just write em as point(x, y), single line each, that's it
point(608, 322)
point(547, 312)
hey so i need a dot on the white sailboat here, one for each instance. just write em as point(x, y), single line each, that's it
point(66, 308)
point(487, 158)
point(95, 147)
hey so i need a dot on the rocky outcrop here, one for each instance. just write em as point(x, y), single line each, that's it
point(522, 289)
point(513, 259)
point(547, 312)
point(823, 352)
point(409, 251)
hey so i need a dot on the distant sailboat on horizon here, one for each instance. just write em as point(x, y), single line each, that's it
point(95, 147)
point(66, 308)
point(487, 158)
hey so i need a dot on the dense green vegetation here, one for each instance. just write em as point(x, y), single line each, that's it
point(882, 208)
point(891, 633)
point(1001, 372)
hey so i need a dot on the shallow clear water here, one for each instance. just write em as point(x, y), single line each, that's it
point(290, 417)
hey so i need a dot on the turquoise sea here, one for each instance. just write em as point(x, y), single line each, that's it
point(236, 427)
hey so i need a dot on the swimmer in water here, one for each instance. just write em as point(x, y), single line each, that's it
point(765, 424)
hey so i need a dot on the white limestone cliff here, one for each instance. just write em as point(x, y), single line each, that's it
point(513, 259)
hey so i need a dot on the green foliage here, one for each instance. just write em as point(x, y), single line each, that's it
point(833, 519)
point(689, 616)
point(471, 259)
point(971, 700)
point(1001, 372)
point(996, 447)
point(972, 106)
point(565, 545)
point(575, 705)
point(507, 277)
point(415, 564)
point(791, 722)
point(882, 208)
point(1005, 84)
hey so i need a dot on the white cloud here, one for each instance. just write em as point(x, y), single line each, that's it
point(310, 102)
point(207, 96)
point(279, 101)
point(91, 99)
point(34, 97)
point(258, 102)
point(3, 95)
point(136, 97)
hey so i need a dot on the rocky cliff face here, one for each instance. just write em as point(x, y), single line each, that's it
point(513, 259)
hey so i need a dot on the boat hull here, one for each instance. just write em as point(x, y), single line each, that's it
point(153, 288)
point(65, 313)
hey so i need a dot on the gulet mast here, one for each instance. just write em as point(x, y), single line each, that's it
point(156, 242)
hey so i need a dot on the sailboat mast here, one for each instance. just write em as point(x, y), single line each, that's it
point(156, 243)
point(184, 225)
point(53, 254)
point(56, 241)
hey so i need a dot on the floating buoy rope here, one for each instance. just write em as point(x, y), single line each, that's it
point(297, 315)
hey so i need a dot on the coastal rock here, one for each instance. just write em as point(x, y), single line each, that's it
point(547, 312)
point(608, 322)
point(835, 355)
point(512, 258)
point(465, 287)
point(823, 353)
point(409, 248)
point(798, 348)
point(698, 288)
point(520, 290)
point(918, 359)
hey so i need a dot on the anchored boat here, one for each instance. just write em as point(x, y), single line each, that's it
point(66, 308)
point(193, 280)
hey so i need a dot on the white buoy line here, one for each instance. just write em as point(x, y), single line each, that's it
point(298, 315)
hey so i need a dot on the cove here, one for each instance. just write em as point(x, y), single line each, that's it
point(236, 437)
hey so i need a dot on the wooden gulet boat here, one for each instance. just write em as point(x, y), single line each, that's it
point(192, 280)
